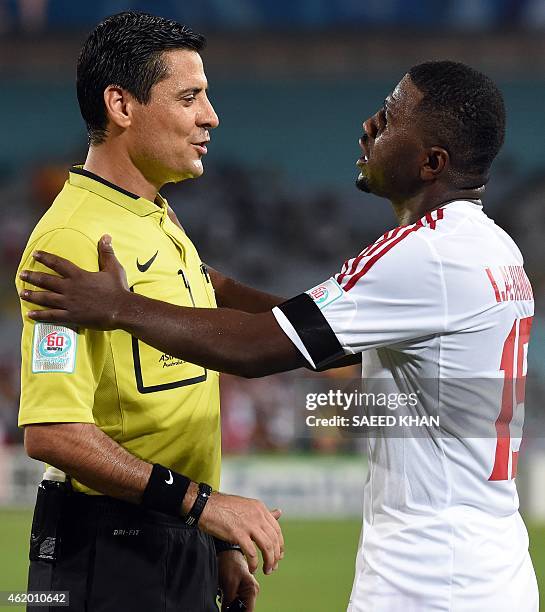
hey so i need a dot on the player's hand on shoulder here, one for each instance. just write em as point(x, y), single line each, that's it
point(235, 580)
point(74, 295)
point(248, 523)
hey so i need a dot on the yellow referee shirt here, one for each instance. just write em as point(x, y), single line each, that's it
point(160, 408)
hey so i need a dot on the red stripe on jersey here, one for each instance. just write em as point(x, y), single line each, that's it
point(356, 260)
point(369, 250)
point(342, 274)
point(388, 236)
point(434, 216)
point(388, 240)
point(344, 269)
point(354, 279)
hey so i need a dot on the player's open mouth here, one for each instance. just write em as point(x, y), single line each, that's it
point(362, 160)
point(365, 157)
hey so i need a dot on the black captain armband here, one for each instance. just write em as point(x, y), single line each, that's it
point(165, 491)
point(313, 329)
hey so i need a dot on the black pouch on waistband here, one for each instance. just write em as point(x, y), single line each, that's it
point(45, 537)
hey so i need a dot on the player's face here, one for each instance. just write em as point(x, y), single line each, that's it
point(392, 147)
point(168, 136)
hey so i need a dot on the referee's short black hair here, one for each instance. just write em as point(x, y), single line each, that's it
point(126, 50)
point(463, 111)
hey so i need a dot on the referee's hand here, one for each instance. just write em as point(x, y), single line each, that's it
point(246, 522)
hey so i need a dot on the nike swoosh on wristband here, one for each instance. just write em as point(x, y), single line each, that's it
point(145, 266)
point(171, 479)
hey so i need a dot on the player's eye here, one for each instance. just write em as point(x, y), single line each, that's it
point(190, 98)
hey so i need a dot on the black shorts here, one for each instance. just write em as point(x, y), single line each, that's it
point(118, 557)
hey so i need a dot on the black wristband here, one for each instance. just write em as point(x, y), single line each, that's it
point(193, 516)
point(165, 491)
point(222, 546)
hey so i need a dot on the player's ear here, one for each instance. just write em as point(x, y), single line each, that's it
point(117, 102)
point(437, 160)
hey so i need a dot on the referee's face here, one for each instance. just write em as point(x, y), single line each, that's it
point(392, 147)
point(168, 136)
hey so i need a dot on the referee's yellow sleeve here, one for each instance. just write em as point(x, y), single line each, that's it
point(66, 394)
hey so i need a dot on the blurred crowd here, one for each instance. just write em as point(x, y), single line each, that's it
point(36, 15)
point(266, 236)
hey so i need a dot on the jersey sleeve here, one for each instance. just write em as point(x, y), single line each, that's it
point(60, 366)
point(380, 301)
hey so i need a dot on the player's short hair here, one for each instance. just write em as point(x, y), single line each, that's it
point(463, 111)
point(126, 50)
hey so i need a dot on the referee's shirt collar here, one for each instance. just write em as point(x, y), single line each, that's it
point(79, 177)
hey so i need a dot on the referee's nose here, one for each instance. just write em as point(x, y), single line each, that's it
point(207, 116)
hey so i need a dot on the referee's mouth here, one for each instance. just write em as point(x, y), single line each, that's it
point(201, 146)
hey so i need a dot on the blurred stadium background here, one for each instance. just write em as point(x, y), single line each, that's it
point(292, 82)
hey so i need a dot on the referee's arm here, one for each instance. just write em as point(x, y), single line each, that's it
point(90, 456)
point(232, 294)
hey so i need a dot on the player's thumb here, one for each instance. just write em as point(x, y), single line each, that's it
point(277, 513)
point(106, 256)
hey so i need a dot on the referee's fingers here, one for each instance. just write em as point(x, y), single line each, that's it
point(275, 537)
point(266, 546)
point(273, 521)
point(42, 279)
point(58, 264)
point(250, 552)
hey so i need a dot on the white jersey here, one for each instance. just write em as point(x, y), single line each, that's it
point(446, 300)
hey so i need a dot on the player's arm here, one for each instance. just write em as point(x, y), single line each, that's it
point(323, 324)
point(91, 457)
point(232, 294)
point(226, 340)
point(221, 339)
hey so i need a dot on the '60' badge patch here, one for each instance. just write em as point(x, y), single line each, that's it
point(53, 348)
point(326, 293)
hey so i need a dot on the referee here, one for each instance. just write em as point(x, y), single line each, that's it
point(139, 520)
